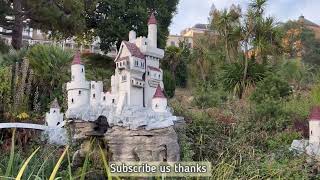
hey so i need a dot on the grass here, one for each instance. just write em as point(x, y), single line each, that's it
point(45, 165)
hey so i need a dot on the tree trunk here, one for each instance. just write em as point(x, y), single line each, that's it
point(18, 25)
point(245, 71)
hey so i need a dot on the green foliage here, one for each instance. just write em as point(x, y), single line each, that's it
point(311, 46)
point(271, 88)
point(50, 65)
point(297, 73)
point(206, 96)
point(169, 84)
point(315, 94)
point(4, 48)
point(99, 68)
point(268, 97)
point(283, 139)
point(113, 19)
point(175, 60)
point(13, 57)
point(232, 76)
point(60, 17)
point(5, 86)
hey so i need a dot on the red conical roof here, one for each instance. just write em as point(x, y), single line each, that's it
point(158, 93)
point(315, 114)
point(152, 19)
point(77, 58)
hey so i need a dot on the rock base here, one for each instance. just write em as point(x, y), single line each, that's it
point(142, 145)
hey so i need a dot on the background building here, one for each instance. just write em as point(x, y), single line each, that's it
point(188, 35)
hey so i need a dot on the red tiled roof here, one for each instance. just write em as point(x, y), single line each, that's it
point(134, 50)
point(77, 58)
point(158, 93)
point(122, 58)
point(154, 68)
point(152, 19)
point(315, 114)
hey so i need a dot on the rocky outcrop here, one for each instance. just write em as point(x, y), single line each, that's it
point(142, 145)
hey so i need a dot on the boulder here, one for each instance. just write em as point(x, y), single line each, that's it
point(142, 145)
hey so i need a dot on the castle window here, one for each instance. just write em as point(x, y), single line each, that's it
point(72, 101)
point(54, 111)
point(145, 43)
point(92, 86)
point(132, 81)
point(159, 76)
point(113, 101)
point(82, 70)
point(156, 105)
point(94, 95)
point(148, 73)
point(311, 132)
point(104, 98)
point(58, 123)
point(79, 92)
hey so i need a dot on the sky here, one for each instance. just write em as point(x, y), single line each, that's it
point(190, 12)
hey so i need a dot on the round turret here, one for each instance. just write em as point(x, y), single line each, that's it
point(78, 88)
point(152, 30)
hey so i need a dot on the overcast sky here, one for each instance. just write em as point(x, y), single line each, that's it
point(191, 12)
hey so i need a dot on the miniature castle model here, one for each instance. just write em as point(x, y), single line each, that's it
point(311, 146)
point(314, 126)
point(54, 118)
point(136, 97)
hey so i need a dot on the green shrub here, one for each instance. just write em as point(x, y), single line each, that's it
point(4, 48)
point(207, 96)
point(232, 76)
point(272, 88)
point(282, 140)
point(169, 84)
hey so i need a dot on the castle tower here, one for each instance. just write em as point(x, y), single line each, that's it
point(159, 101)
point(314, 126)
point(152, 30)
point(54, 117)
point(95, 92)
point(78, 88)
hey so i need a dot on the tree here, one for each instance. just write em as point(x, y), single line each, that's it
point(113, 19)
point(65, 17)
point(175, 60)
point(50, 66)
point(227, 24)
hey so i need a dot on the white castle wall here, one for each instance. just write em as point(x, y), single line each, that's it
point(152, 34)
point(96, 88)
point(159, 104)
point(314, 131)
point(78, 73)
point(54, 117)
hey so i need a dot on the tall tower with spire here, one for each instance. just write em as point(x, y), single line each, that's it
point(78, 88)
point(152, 30)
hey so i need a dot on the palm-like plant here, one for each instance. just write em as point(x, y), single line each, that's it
point(50, 66)
point(226, 23)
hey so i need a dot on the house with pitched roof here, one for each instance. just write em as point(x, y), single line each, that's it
point(138, 72)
